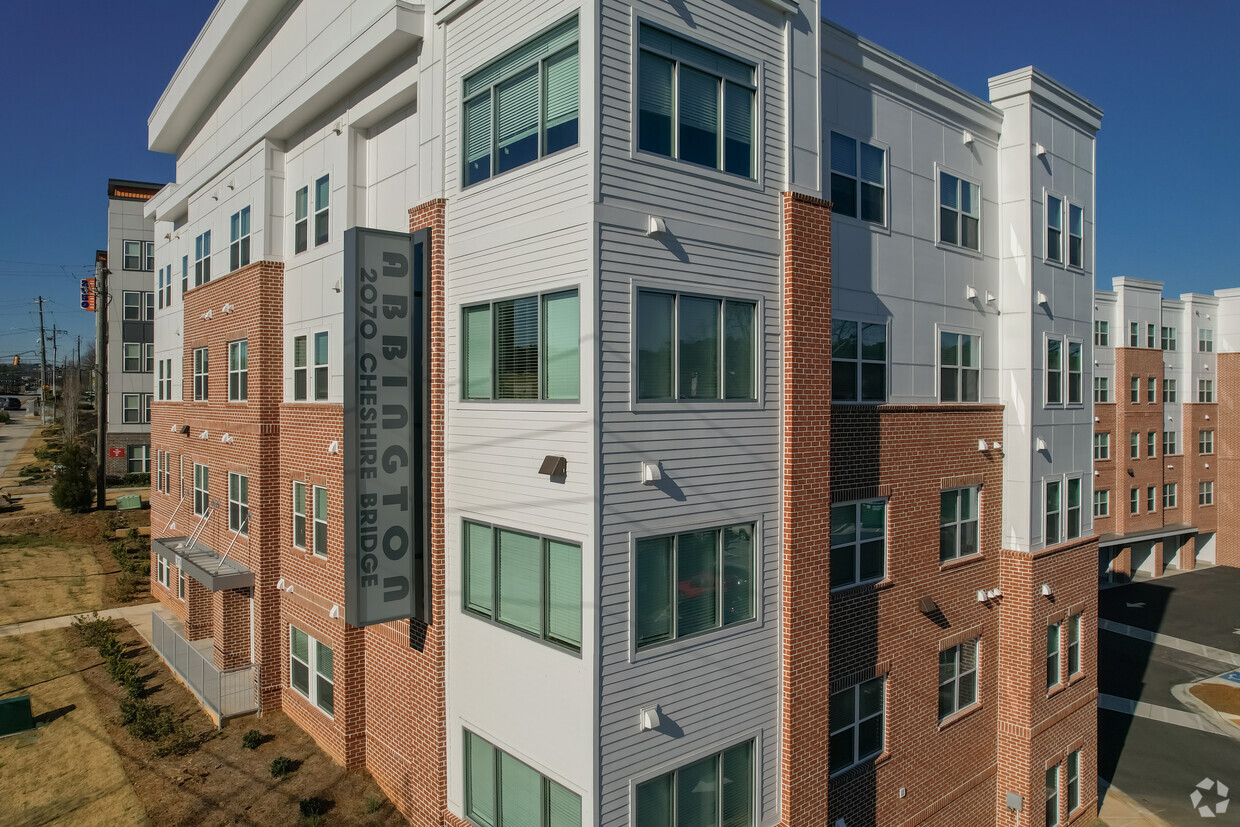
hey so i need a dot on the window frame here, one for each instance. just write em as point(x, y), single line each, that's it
point(1205, 340)
point(542, 350)
point(322, 210)
point(239, 377)
point(161, 571)
point(671, 778)
point(302, 515)
point(1054, 379)
point(135, 256)
point(1134, 445)
point(1151, 444)
point(1052, 796)
point(721, 626)
point(301, 219)
point(1073, 235)
point(131, 403)
point(1102, 503)
point(860, 362)
point(1134, 500)
point(1054, 657)
point(1151, 499)
point(1047, 256)
point(1205, 441)
point(301, 372)
point(202, 495)
point(546, 783)
point(1169, 342)
point(1102, 333)
point(131, 357)
point(239, 503)
point(1134, 334)
point(857, 179)
point(140, 454)
point(202, 258)
point(1205, 391)
point(322, 370)
point(857, 542)
point(1170, 495)
point(1058, 513)
point(1170, 443)
point(1102, 446)
point(1134, 390)
point(201, 377)
point(673, 159)
point(1102, 390)
point(959, 523)
point(1170, 394)
point(975, 348)
point(939, 171)
point(1150, 338)
point(855, 725)
point(1151, 390)
point(1205, 493)
point(313, 672)
point(239, 239)
point(318, 524)
point(959, 676)
point(131, 305)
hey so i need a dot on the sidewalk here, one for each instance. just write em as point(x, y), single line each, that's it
point(1119, 810)
point(135, 615)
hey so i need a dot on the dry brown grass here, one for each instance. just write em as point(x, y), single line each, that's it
point(1222, 697)
point(80, 779)
point(42, 577)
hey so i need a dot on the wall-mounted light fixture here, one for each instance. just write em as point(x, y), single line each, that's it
point(967, 138)
point(970, 293)
point(1046, 589)
point(333, 448)
point(981, 445)
point(335, 612)
point(927, 606)
point(205, 435)
point(226, 439)
point(1039, 150)
point(185, 430)
point(1043, 299)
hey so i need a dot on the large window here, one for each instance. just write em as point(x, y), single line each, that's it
point(301, 220)
point(1074, 645)
point(526, 348)
point(856, 724)
point(1054, 229)
point(526, 582)
point(322, 197)
point(131, 357)
point(1170, 443)
point(1102, 446)
point(1054, 511)
point(200, 374)
point(522, 106)
point(1076, 236)
point(239, 239)
point(1134, 501)
point(238, 371)
point(960, 212)
point(1102, 503)
point(131, 408)
point(1170, 490)
point(1134, 390)
point(957, 678)
point(500, 791)
point(1073, 792)
point(1054, 371)
point(1074, 372)
point(716, 791)
point(858, 361)
point(1053, 632)
point(960, 372)
point(1205, 492)
point(1169, 390)
point(313, 522)
point(202, 489)
point(695, 347)
point(1205, 390)
point(131, 255)
point(238, 503)
point(695, 104)
point(1052, 796)
point(202, 259)
point(958, 523)
point(1151, 390)
point(131, 302)
point(301, 370)
point(310, 669)
point(693, 582)
point(1151, 442)
point(1102, 389)
point(299, 514)
point(1168, 338)
point(858, 179)
point(319, 494)
point(1134, 445)
point(858, 542)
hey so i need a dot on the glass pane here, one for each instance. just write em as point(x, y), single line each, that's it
point(1054, 213)
point(738, 130)
point(843, 154)
point(697, 794)
point(699, 348)
point(299, 352)
point(874, 342)
point(843, 381)
point(550, 42)
point(300, 644)
point(873, 165)
point(948, 502)
point(517, 120)
point(949, 380)
point(516, 349)
point(738, 562)
point(949, 348)
point(844, 340)
point(970, 204)
point(321, 193)
point(320, 348)
point(654, 802)
point(564, 592)
point(520, 581)
point(477, 139)
point(949, 191)
point(478, 570)
point(843, 524)
point(737, 777)
point(969, 233)
point(843, 565)
point(302, 203)
point(479, 780)
point(478, 352)
point(870, 698)
point(520, 793)
point(697, 562)
point(323, 664)
point(563, 806)
point(873, 203)
point(654, 345)
point(654, 103)
point(971, 380)
point(654, 590)
point(840, 750)
point(738, 354)
point(873, 382)
point(299, 677)
point(698, 105)
point(949, 231)
point(843, 709)
point(562, 333)
point(843, 194)
point(561, 84)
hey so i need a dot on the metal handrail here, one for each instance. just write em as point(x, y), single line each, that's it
point(174, 514)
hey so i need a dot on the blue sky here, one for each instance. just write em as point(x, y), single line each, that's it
point(81, 78)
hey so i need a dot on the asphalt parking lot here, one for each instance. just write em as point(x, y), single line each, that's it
point(1160, 762)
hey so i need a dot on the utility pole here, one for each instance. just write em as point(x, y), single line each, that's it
point(101, 391)
point(42, 366)
point(54, 357)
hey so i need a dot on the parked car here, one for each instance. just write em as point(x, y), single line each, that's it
point(10, 403)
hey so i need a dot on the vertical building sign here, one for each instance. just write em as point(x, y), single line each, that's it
point(386, 426)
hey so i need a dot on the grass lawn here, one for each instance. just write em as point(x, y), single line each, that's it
point(80, 776)
point(43, 577)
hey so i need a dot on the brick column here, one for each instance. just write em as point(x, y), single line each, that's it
point(806, 517)
point(1227, 476)
point(197, 611)
point(1160, 557)
point(1188, 553)
point(1122, 567)
point(230, 612)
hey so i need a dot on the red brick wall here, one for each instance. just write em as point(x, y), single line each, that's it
point(806, 509)
point(1039, 727)
point(1227, 449)
point(1142, 418)
point(406, 750)
point(1109, 470)
point(910, 454)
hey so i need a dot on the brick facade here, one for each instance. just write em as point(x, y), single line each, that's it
point(1227, 450)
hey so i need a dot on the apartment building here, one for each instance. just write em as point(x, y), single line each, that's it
point(680, 336)
point(130, 308)
point(1164, 386)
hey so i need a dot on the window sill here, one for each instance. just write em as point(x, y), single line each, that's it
point(1077, 678)
point(844, 776)
point(959, 715)
point(852, 220)
point(948, 247)
point(697, 405)
point(699, 170)
point(1056, 689)
point(960, 562)
point(679, 644)
point(869, 585)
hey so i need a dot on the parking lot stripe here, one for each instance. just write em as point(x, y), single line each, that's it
point(1221, 655)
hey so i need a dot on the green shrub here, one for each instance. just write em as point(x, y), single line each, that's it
point(314, 806)
point(74, 487)
point(4, 416)
point(121, 669)
point(251, 739)
point(151, 723)
point(176, 742)
point(92, 629)
point(374, 803)
point(281, 766)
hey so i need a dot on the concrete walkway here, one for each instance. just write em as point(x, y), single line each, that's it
point(1201, 650)
point(13, 437)
point(1119, 810)
point(133, 614)
point(1175, 717)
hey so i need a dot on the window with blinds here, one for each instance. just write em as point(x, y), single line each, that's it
point(695, 104)
point(693, 582)
point(525, 582)
point(716, 791)
point(522, 106)
point(312, 670)
point(695, 347)
point(525, 348)
point(501, 791)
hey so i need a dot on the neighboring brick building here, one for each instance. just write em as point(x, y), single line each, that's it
point(710, 380)
point(130, 308)
point(1165, 429)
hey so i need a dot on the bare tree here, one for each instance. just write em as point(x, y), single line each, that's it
point(70, 394)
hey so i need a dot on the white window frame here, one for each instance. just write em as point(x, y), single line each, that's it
point(313, 675)
point(860, 362)
point(239, 239)
point(140, 454)
point(148, 258)
point(1102, 333)
point(959, 524)
point(542, 355)
point(1072, 783)
point(1134, 500)
point(131, 254)
point(1102, 503)
point(975, 347)
point(857, 180)
point(1170, 495)
point(322, 372)
point(1134, 334)
point(239, 378)
point(1205, 441)
point(1058, 513)
point(857, 542)
point(1151, 444)
point(302, 514)
point(161, 570)
point(1134, 445)
point(1169, 342)
point(301, 219)
point(1102, 390)
point(1072, 234)
point(148, 357)
point(1151, 390)
point(1054, 658)
point(1054, 379)
point(1170, 443)
point(201, 377)
point(1052, 796)
point(960, 678)
point(181, 586)
point(202, 496)
point(202, 258)
point(1170, 393)
point(1205, 493)
point(239, 503)
point(301, 372)
point(318, 494)
point(1205, 340)
point(939, 172)
point(131, 403)
point(1150, 338)
point(322, 210)
point(1151, 499)
point(1048, 255)
point(1102, 446)
point(131, 357)
point(855, 724)
point(1205, 391)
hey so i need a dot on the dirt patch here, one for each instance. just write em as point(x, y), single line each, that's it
point(1222, 697)
point(220, 782)
point(66, 771)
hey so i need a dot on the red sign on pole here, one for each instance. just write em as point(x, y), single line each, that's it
point(116, 452)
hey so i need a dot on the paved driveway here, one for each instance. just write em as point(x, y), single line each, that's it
point(1155, 762)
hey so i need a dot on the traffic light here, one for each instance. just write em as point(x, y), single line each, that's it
point(17, 360)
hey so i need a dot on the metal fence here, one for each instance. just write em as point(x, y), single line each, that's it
point(226, 693)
